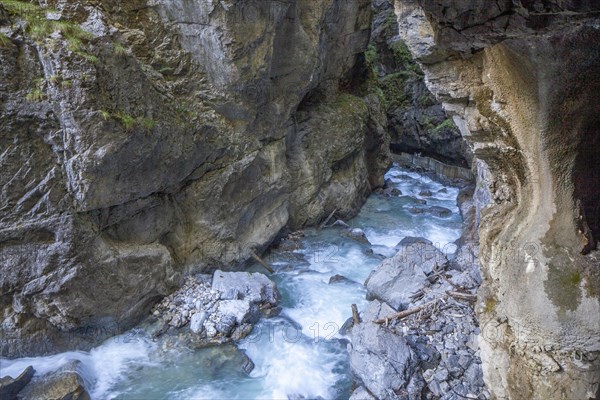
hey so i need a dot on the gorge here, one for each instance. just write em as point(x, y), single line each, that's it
point(147, 141)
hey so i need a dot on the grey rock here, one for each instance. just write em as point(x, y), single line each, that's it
point(339, 279)
point(441, 375)
point(435, 388)
point(201, 102)
point(225, 324)
point(425, 193)
point(357, 235)
point(360, 393)
point(382, 360)
point(243, 311)
point(474, 375)
point(10, 387)
point(253, 287)
point(438, 211)
point(453, 366)
point(197, 321)
point(410, 240)
point(66, 383)
point(397, 278)
point(346, 327)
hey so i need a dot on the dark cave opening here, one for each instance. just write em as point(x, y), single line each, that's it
point(586, 177)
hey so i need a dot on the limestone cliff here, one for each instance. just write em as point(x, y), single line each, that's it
point(521, 80)
point(416, 120)
point(143, 139)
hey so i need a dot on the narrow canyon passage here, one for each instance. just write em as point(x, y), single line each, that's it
point(300, 353)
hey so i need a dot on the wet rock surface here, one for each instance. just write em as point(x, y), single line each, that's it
point(432, 353)
point(10, 387)
point(65, 383)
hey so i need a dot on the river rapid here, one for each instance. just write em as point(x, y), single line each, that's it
point(298, 354)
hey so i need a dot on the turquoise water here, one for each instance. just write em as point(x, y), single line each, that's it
point(298, 354)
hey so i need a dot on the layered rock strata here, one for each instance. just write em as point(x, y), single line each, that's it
point(142, 140)
point(520, 79)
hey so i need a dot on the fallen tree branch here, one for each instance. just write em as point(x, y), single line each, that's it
point(264, 264)
point(327, 220)
point(462, 296)
point(406, 313)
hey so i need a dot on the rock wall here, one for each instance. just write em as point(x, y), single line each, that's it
point(144, 139)
point(520, 79)
point(416, 120)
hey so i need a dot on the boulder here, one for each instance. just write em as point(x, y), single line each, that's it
point(10, 387)
point(339, 279)
point(410, 240)
point(243, 311)
point(360, 393)
point(438, 211)
point(254, 287)
point(397, 278)
point(382, 360)
point(357, 235)
point(66, 383)
point(425, 193)
point(197, 321)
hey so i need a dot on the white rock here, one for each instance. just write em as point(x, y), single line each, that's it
point(197, 321)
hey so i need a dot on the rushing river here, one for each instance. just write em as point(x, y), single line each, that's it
point(298, 354)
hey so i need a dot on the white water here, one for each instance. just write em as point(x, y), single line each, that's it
point(299, 353)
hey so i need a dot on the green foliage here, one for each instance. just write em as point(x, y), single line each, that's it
point(148, 123)
point(371, 56)
point(425, 100)
point(126, 120)
point(166, 70)
point(119, 49)
point(35, 95)
point(490, 304)
point(393, 86)
point(428, 123)
point(390, 20)
point(448, 123)
point(39, 28)
point(4, 40)
point(105, 115)
point(350, 103)
point(404, 58)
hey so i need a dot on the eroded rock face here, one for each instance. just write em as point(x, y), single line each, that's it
point(174, 136)
point(521, 81)
point(416, 120)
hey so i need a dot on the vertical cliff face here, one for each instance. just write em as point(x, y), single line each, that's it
point(521, 80)
point(143, 139)
point(416, 120)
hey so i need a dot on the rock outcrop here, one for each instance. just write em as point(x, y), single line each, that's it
point(65, 383)
point(416, 120)
point(202, 313)
point(520, 79)
point(142, 140)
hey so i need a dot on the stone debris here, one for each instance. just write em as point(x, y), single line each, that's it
point(218, 309)
point(419, 334)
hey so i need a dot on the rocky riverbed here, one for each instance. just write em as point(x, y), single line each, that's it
point(290, 334)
